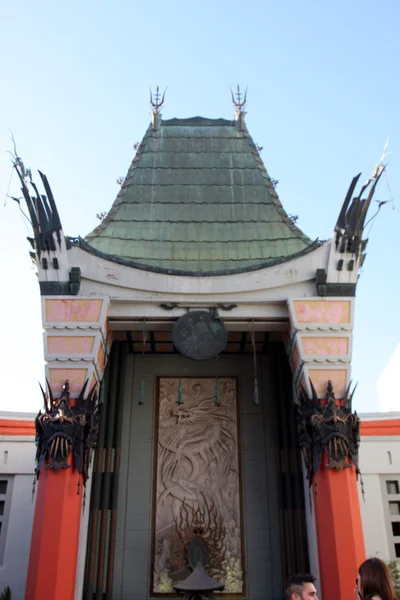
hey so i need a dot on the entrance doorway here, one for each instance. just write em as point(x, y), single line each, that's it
point(144, 467)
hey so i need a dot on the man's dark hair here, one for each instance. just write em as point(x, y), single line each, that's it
point(295, 584)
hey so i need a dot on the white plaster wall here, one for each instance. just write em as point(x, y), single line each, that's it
point(17, 459)
point(14, 569)
point(374, 454)
point(20, 455)
point(373, 518)
point(376, 463)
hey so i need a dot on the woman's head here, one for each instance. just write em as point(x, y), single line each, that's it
point(375, 579)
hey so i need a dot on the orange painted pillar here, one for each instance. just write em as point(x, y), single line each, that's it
point(339, 531)
point(55, 536)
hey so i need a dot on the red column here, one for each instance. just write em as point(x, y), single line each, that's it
point(55, 536)
point(339, 531)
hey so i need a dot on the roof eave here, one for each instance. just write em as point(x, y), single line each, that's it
point(81, 243)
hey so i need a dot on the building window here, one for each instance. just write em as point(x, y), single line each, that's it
point(6, 484)
point(396, 527)
point(392, 487)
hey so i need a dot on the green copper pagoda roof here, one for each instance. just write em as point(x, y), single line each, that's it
point(197, 200)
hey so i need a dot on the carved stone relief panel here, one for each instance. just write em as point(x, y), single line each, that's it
point(197, 495)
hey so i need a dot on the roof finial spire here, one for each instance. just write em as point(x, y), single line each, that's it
point(238, 102)
point(156, 100)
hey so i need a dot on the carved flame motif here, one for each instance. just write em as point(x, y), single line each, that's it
point(198, 524)
point(331, 428)
point(197, 488)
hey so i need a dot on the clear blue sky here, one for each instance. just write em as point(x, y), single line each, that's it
point(323, 95)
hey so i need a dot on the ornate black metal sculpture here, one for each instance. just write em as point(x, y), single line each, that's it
point(199, 335)
point(48, 241)
point(351, 221)
point(63, 428)
point(329, 427)
point(42, 209)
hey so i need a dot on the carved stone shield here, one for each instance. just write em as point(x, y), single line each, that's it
point(199, 335)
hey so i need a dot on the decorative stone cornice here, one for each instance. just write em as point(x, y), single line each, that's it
point(62, 288)
point(333, 289)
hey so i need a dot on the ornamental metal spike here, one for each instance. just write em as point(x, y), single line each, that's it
point(349, 396)
point(33, 488)
point(82, 394)
point(91, 399)
point(238, 102)
point(50, 401)
point(180, 392)
point(45, 403)
point(156, 100)
point(256, 397)
point(141, 392)
point(314, 394)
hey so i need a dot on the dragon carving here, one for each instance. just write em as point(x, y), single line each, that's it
point(197, 494)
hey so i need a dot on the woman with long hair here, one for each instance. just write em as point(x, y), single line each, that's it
point(374, 581)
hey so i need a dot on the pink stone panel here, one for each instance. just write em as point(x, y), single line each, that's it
point(75, 311)
point(320, 378)
point(70, 344)
point(106, 318)
point(326, 346)
point(110, 336)
point(100, 358)
point(76, 378)
point(317, 311)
